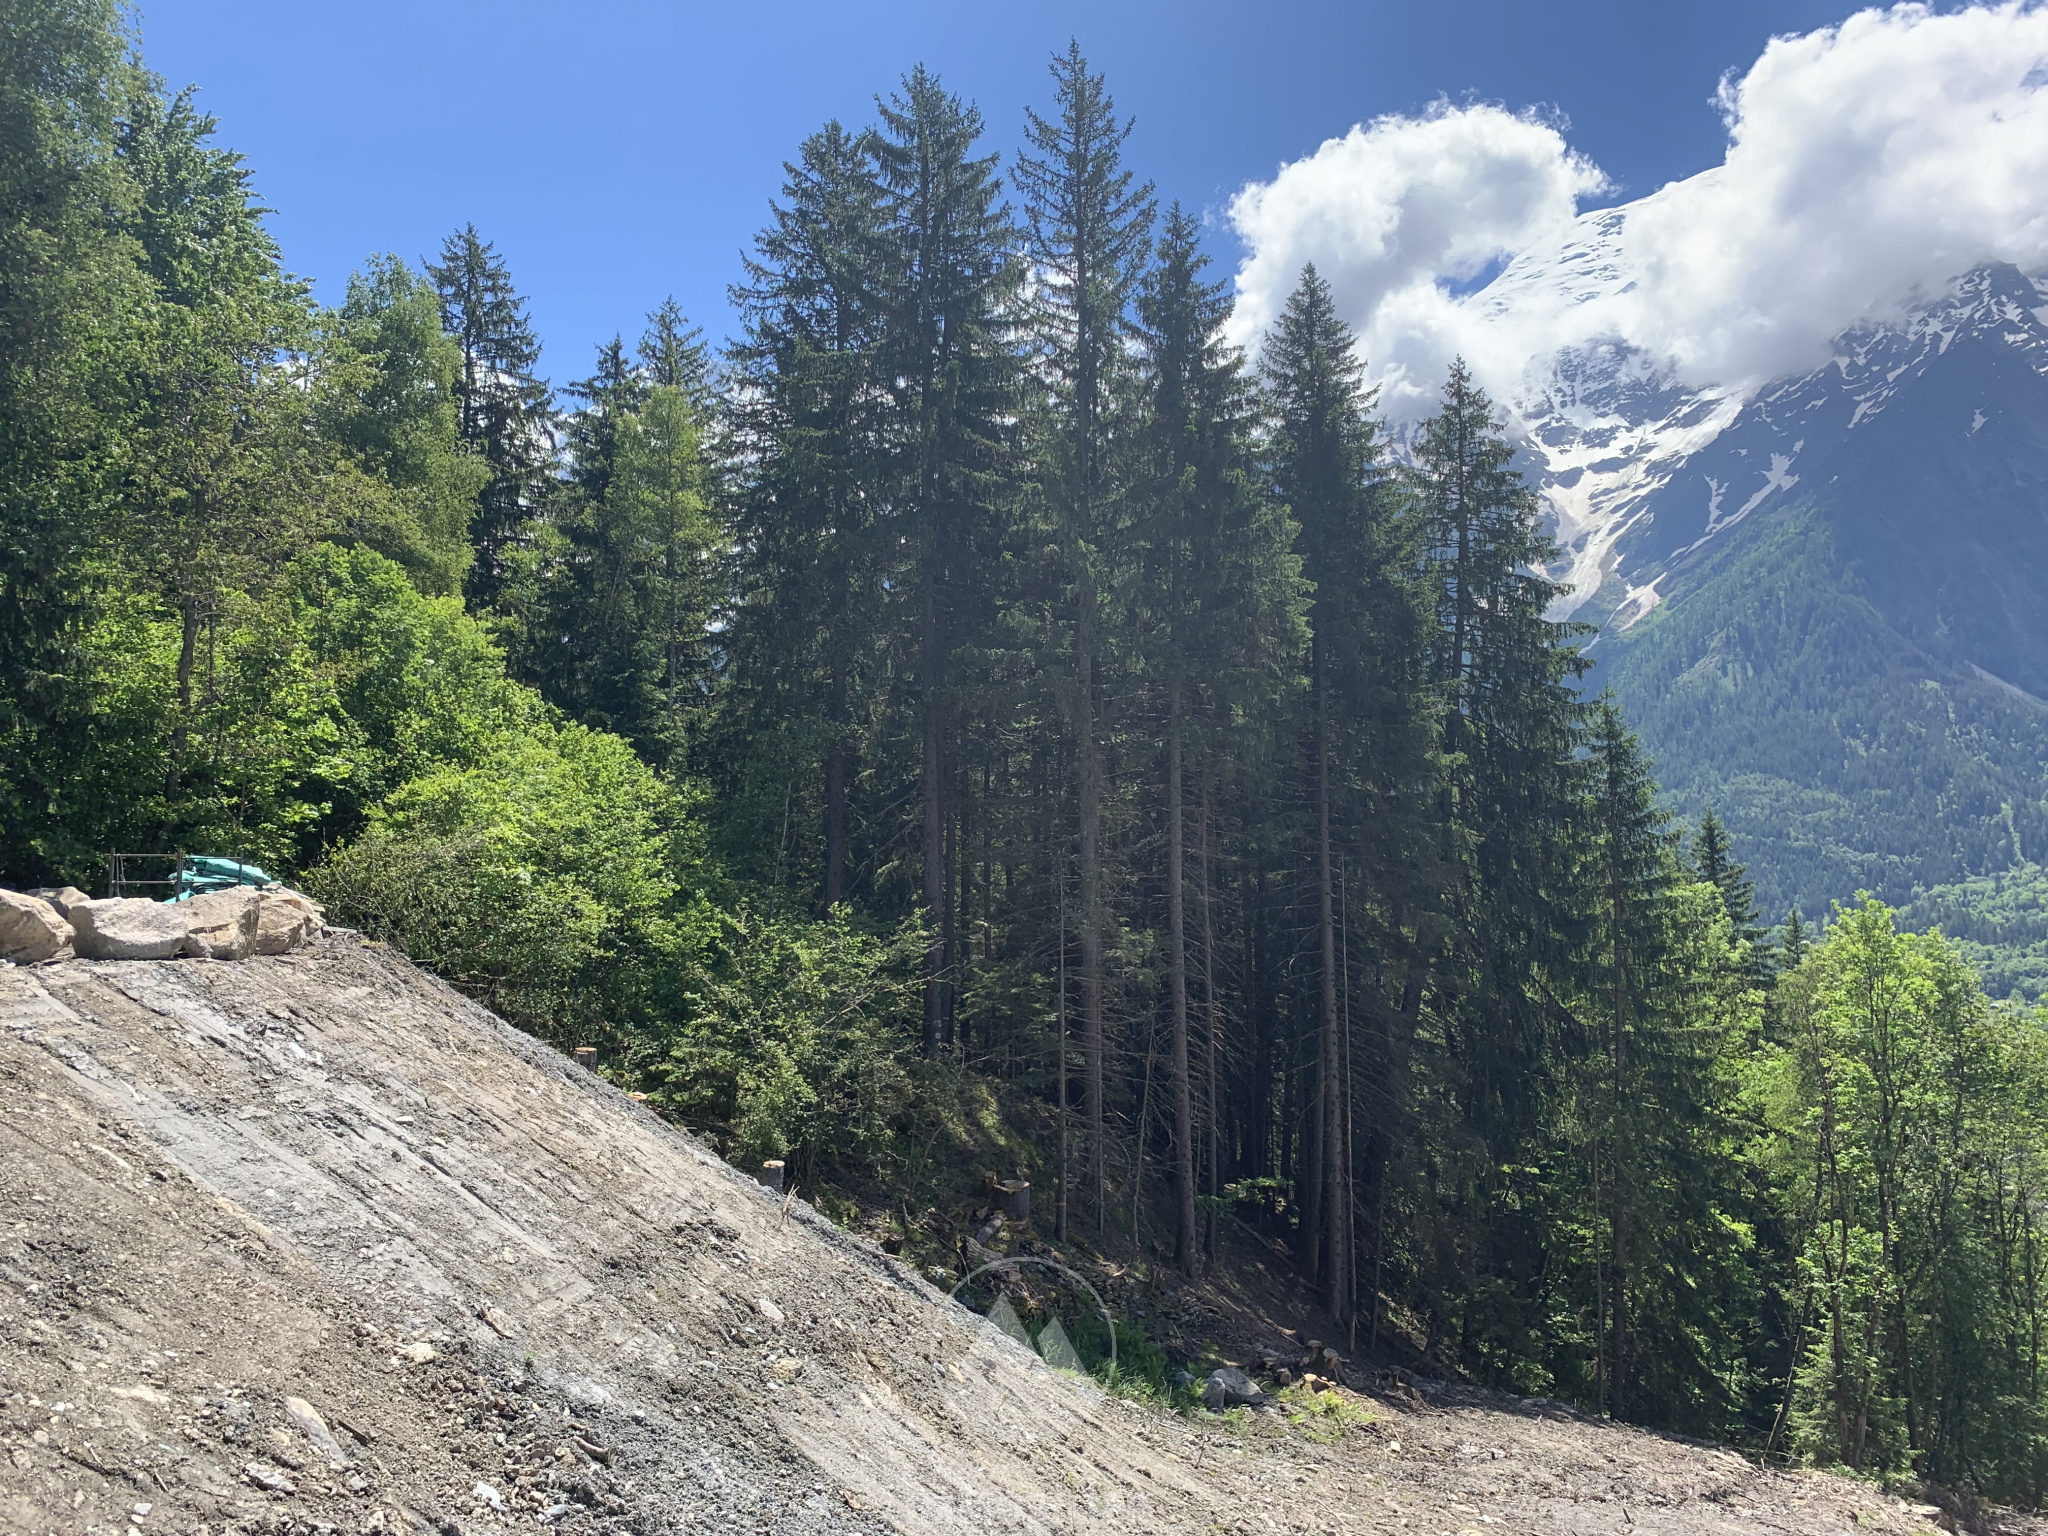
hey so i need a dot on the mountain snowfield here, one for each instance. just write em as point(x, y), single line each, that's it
point(1822, 599)
point(1636, 470)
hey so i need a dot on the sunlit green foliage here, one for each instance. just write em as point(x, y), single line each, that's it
point(1904, 1120)
point(791, 1038)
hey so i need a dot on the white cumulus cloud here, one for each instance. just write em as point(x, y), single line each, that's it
point(1401, 208)
point(1865, 162)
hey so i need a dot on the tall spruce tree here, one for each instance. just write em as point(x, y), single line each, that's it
point(1369, 730)
point(1795, 943)
point(809, 420)
point(949, 368)
point(1510, 923)
point(1633, 870)
point(1716, 864)
point(1090, 223)
point(674, 355)
point(506, 409)
point(588, 649)
point(1221, 601)
point(662, 496)
point(1324, 455)
point(391, 400)
point(613, 392)
point(1666, 997)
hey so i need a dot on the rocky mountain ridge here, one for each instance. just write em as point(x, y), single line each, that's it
point(1637, 471)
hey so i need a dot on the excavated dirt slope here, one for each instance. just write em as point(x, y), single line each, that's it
point(311, 1244)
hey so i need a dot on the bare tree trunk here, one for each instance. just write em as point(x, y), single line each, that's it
point(1144, 1119)
point(1214, 1007)
point(669, 664)
point(1617, 1243)
point(1329, 1113)
point(1349, 1087)
point(953, 939)
point(1183, 1105)
point(1064, 1176)
point(1599, 1297)
point(835, 792)
point(181, 732)
point(934, 828)
point(1090, 769)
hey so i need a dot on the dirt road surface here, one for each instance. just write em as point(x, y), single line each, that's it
point(311, 1244)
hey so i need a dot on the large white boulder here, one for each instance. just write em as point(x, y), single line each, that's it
point(285, 920)
point(222, 925)
point(129, 929)
point(30, 928)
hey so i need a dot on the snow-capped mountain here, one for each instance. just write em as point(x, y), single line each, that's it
point(1602, 424)
point(1638, 471)
point(1823, 602)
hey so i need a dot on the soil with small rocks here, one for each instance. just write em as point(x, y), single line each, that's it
point(311, 1244)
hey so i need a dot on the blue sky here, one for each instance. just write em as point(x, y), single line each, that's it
point(619, 152)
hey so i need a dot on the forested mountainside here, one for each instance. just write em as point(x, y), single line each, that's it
point(1999, 922)
point(978, 716)
point(1827, 619)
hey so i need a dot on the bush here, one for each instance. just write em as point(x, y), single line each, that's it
point(543, 881)
point(794, 1039)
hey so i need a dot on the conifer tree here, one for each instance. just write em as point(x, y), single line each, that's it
point(1795, 943)
point(674, 355)
point(809, 420)
point(390, 398)
point(1368, 733)
point(1510, 922)
point(1632, 875)
point(1717, 866)
point(1323, 454)
point(506, 410)
point(1220, 595)
point(661, 485)
point(1089, 225)
point(588, 650)
point(608, 397)
point(1668, 1007)
point(949, 367)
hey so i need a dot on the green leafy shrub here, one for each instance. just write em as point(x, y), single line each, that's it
point(542, 880)
point(794, 1037)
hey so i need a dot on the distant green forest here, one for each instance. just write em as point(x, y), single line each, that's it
point(1999, 922)
point(1841, 753)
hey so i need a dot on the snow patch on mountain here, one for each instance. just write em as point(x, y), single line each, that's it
point(1603, 428)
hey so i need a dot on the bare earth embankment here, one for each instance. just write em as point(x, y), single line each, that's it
point(310, 1243)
